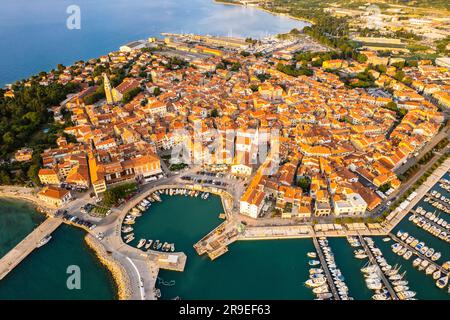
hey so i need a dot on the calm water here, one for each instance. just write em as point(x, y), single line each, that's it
point(260, 269)
point(17, 219)
point(35, 37)
point(42, 275)
point(250, 270)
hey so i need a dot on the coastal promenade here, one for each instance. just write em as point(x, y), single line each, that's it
point(27, 245)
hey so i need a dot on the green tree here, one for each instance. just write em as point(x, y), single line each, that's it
point(214, 113)
point(304, 183)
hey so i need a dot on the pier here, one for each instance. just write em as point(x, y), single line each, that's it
point(397, 215)
point(432, 223)
point(216, 242)
point(326, 270)
point(417, 253)
point(27, 245)
point(372, 260)
point(438, 200)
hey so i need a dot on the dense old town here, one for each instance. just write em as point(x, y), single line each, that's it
point(330, 148)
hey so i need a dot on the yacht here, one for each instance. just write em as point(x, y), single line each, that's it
point(406, 295)
point(316, 282)
point(311, 255)
point(172, 247)
point(417, 262)
point(437, 274)
point(407, 255)
point(409, 240)
point(360, 256)
point(369, 269)
point(387, 239)
point(128, 240)
point(429, 253)
point(127, 229)
point(141, 243)
point(321, 289)
point(402, 251)
point(324, 296)
point(313, 262)
point(44, 241)
point(442, 282)
point(401, 288)
point(423, 265)
point(396, 247)
point(149, 244)
point(315, 270)
point(380, 296)
point(436, 256)
point(404, 236)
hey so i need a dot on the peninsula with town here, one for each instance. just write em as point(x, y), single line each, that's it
point(338, 130)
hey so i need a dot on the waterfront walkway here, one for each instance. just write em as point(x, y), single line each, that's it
point(373, 261)
point(27, 245)
point(326, 270)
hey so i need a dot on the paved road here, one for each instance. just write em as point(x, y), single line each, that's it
point(430, 145)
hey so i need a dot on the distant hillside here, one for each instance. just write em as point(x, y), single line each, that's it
point(314, 4)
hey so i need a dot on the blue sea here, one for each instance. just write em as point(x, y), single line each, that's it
point(35, 36)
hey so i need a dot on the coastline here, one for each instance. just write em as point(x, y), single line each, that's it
point(117, 271)
point(265, 10)
point(24, 194)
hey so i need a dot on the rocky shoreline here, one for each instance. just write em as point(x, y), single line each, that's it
point(118, 272)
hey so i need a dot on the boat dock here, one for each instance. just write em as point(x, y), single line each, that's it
point(216, 242)
point(27, 245)
point(417, 253)
point(434, 198)
point(326, 270)
point(373, 261)
point(432, 223)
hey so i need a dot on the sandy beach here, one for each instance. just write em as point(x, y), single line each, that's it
point(26, 194)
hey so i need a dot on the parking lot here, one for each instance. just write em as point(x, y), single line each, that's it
point(74, 219)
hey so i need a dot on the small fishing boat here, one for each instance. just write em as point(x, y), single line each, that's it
point(313, 262)
point(149, 244)
point(141, 243)
point(442, 282)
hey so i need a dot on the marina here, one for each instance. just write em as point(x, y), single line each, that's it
point(333, 275)
point(376, 278)
point(424, 263)
point(431, 223)
point(160, 205)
